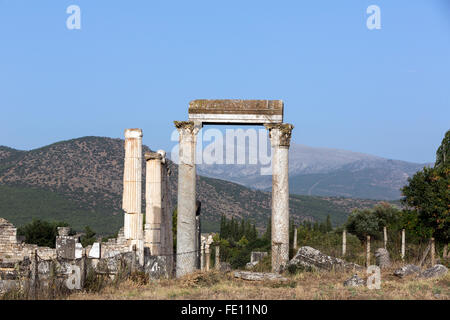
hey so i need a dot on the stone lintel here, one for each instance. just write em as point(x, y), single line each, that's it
point(256, 112)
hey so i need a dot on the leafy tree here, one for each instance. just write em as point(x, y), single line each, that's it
point(88, 238)
point(363, 223)
point(428, 194)
point(387, 214)
point(42, 233)
point(443, 152)
point(328, 225)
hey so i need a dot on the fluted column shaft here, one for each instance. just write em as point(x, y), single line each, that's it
point(132, 185)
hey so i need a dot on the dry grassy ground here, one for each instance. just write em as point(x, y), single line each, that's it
point(305, 286)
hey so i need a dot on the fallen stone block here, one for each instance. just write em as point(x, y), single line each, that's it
point(407, 270)
point(434, 272)
point(310, 258)
point(258, 276)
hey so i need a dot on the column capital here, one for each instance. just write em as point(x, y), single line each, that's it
point(187, 127)
point(152, 156)
point(280, 133)
point(133, 133)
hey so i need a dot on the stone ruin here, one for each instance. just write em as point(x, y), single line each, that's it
point(149, 247)
point(268, 113)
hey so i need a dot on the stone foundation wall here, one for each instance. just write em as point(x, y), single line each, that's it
point(13, 251)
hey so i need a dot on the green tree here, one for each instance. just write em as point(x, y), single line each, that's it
point(443, 152)
point(88, 238)
point(328, 225)
point(363, 223)
point(428, 194)
point(42, 233)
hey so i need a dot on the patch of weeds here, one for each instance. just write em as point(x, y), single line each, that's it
point(140, 278)
point(94, 282)
point(284, 284)
point(294, 269)
point(202, 279)
point(437, 290)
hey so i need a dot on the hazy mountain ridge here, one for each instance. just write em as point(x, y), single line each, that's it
point(80, 181)
point(327, 172)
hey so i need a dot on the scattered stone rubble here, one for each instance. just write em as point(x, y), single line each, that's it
point(407, 270)
point(436, 271)
point(354, 281)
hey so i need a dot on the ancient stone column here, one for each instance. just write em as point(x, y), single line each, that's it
point(217, 260)
point(295, 238)
point(344, 242)
point(433, 253)
point(153, 202)
point(280, 137)
point(385, 236)
point(186, 251)
point(207, 257)
point(132, 185)
point(403, 245)
point(202, 256)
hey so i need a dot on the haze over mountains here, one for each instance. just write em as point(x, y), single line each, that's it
point(325, 172)
point(80, 181)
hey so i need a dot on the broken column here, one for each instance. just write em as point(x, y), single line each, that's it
point(153, 200)
point(280, 137)
point(132, 189)
point(186, 233)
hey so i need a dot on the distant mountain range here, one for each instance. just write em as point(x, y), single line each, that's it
point(80, 181)
point(326, 172)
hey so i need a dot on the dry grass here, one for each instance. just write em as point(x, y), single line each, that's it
point(304, 286)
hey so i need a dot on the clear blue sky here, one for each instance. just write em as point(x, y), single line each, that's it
point(139, 63)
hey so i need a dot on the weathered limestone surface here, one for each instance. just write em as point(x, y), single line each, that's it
point(186, 251)
point(436, 271)
point(65, 247)
point(236, 111)
point(255, 258)
point(354, 281)
point(407, 270)
point(206, 241)
point(132, 185)
point(158, 227)
point(258, 276)
point(308, 257)
point(280, 136)
point(12, 250)
point(217, 258)
point(95, 251)
point(382, 258)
